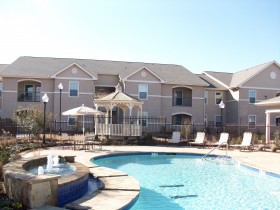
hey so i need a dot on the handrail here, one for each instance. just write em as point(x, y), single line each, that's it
point(204, 156)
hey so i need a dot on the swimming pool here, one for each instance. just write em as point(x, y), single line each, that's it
point(185, 181)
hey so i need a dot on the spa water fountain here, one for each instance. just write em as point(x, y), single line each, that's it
point(60, 178)
point(55, 165)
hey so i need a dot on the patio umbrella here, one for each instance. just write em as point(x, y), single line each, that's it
point(82, 110)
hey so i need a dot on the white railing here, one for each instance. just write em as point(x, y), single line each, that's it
point(118, 129)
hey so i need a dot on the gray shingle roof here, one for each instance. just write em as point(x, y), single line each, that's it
point(3, 67)
point(223, 77)
point(211, 83)
point(242, 76)
point(45, 67)
point(233, 80)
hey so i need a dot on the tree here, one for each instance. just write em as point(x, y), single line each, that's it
point(31, 119)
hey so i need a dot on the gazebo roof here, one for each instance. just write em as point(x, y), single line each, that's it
point(118, 98)
point(270, 102)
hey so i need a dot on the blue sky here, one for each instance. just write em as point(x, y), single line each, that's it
point(201, 35)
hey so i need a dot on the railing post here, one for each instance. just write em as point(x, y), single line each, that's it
point(164, 130)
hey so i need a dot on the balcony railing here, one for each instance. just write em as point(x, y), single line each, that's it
point(29, 96)
point(185, 101)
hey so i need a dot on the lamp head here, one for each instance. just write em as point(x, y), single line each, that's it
point(60, 86)
point(221, 105)
point(45, 98)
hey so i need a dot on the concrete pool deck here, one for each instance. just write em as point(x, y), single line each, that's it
point(115, 196)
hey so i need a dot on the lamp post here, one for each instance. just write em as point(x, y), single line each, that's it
point(60, 87)
point(222, 106)
point(45, 100)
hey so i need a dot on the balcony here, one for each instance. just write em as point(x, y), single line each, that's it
point(24, 96)
point(184, 101)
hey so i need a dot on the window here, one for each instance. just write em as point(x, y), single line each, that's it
point(206, 97)
point(28, 92)
point(73, 88)
point(72, 120)
point(37, 93)
point(143, 91)
point(177, 119)
point(277, 94)
point(145, 119)
point(252, 121)
point(277, 121)
point(218, 120)
point(252, 96)
point(1, 89)
point(178, 98)
point(218, 97)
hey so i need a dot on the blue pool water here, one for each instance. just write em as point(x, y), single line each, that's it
point(187, 182)
point(62, 169)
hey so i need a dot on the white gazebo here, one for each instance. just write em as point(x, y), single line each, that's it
point(126, 103)
point(274, 107)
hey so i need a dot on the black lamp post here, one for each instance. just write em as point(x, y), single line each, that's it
point(45, 100)
point(60, 87)
point(222, 106)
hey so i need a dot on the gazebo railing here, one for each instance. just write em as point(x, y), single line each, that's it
point(118, 129)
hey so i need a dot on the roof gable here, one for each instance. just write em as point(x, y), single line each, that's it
point(236, 80)
point(73, 71)
point(144, 68)
point(242, 77)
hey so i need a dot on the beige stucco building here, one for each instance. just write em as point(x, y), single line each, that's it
point(166, 90)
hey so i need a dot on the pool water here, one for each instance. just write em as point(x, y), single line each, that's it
point(62, 169)
point(187, 182)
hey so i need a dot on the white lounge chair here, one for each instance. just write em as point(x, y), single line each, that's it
point(176, 137)
point(246, 142)
point(223, 140)
point(199, 140)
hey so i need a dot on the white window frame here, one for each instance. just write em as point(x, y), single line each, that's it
point(255, 95)
point(147, 88)
point(206, 97)
point(71, 82)
point(250, 122)
point(175, 97)
point(217, 103)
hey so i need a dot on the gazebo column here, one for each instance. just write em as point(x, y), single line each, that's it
point(111, 112)
point(124, 108)
point(96, 120)
point(130, 107)
point(267, 128)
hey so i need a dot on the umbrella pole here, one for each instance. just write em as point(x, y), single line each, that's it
point(83, 125)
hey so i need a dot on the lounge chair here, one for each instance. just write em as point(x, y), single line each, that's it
point(62, 140)
point(176, 137)
point(222, 141)
point(199, 140)
point(246, 142)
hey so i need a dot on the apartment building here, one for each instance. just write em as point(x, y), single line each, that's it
point(240, 91)
point(166, 89)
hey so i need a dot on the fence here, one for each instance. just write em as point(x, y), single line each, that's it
point(157, 126)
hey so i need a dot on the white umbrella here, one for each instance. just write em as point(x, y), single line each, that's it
point(82, 110)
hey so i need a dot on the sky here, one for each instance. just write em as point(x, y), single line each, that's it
point(201, 35)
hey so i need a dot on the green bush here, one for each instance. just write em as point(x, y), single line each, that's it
point(10, 204)
point(4, 155)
